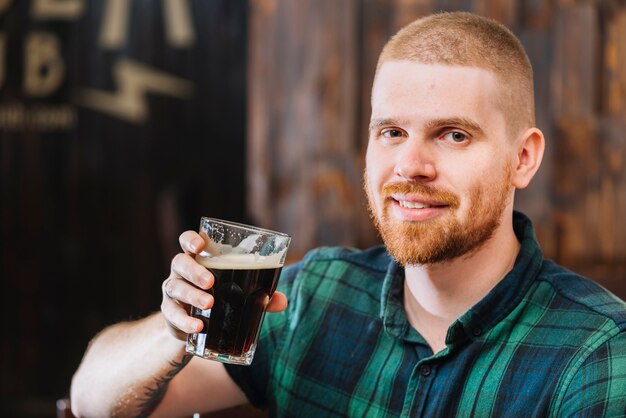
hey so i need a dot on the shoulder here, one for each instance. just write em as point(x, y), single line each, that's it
point(596, 384)
point(586, 325)
point(374, 258)
point(580, 295)
point(333, 262)
point(335, 276)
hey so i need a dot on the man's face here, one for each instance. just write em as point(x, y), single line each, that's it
point(438, 166)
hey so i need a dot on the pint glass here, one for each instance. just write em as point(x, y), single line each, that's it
point(246, 262)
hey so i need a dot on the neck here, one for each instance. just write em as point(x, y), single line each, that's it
point(435, 295)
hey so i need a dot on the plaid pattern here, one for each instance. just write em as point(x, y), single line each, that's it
point(544, 342)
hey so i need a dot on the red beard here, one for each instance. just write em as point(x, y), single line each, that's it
point(446, 237)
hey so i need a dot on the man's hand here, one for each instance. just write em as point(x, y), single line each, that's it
point(187, 285)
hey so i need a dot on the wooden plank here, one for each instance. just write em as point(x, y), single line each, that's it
point(574, 105)
point(590, 193)
point(406, 11)
point(611, 193)
point(536, 199)
point(303, 177)
point(261, 49)
point(576, 190)
point(503, 11)
point(613, 141)
point(614, 64)
point(576, 50)
point(536, 14)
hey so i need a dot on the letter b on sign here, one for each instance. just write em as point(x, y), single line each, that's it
point(44, 66)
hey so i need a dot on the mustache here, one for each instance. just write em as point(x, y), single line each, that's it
point(444, 197)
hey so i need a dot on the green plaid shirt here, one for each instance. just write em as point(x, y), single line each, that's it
point(543, 342)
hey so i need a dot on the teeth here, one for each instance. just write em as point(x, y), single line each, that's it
point(413, 205)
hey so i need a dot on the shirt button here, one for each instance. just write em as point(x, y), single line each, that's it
point(477, 331)
point(425, 370)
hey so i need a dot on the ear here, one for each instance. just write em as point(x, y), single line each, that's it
point(529, 156)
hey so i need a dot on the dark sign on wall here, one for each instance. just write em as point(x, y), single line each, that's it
point(121, 123)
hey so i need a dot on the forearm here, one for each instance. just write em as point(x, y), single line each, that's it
point(126, 369)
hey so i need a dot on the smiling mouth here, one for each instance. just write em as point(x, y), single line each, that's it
point(413, 205)
point(417, 205)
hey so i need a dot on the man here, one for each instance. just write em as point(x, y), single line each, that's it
point(458, 315)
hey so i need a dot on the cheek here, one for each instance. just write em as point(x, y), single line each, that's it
point(372, 185)
point(483, 187)
point(369, 182)
point(465, 182)
point(371, 172)
point(379, 166)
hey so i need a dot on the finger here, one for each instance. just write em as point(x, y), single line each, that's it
point(178, 319)
point(185, 266)
point(175, 332)
point(191, 242)
point(278, 302)
point(182, 291)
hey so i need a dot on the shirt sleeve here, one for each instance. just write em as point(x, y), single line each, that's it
point(598, 388)
point(253, 379)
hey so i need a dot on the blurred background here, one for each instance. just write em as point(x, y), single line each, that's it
point(123, 122)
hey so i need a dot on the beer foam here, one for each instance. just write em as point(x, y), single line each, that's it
point(240, 261)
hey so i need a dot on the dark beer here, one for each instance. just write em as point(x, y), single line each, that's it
point(241, 294)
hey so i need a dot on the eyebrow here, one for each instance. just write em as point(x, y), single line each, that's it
point(379, 123)
point(466, 123)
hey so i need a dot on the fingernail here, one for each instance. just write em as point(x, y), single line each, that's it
point(198, 326)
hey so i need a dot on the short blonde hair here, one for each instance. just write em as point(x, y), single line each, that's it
point(465, 39)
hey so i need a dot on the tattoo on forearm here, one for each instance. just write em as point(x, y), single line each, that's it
point(153, 395)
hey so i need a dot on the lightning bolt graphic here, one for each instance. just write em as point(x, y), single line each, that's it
point(134, 80)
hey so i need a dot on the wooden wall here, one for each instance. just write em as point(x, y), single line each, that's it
point(121, 123)
point(310, 73)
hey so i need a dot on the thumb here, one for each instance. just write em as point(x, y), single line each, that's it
point(278, 302)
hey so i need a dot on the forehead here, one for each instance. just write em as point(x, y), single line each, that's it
point(416, 91)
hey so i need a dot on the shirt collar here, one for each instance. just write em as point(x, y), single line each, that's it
point(490, 310)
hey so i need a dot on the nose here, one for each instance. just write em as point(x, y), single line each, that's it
point(415, 162)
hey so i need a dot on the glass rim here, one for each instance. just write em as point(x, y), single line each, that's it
point(253, 228)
